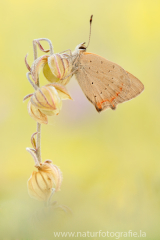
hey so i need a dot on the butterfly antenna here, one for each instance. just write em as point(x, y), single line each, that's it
point(90, 30)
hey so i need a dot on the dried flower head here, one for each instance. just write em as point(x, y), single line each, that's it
point(47, 101)
point(43, 182)
point(55, 68)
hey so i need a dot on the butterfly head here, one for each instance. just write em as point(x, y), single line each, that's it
point(80, 48)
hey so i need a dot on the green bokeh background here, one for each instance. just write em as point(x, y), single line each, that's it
point(110, 161)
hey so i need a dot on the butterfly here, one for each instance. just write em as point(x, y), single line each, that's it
point(104, 83)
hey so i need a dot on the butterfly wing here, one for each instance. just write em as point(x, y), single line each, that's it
point(105, 83)
point(136, 87)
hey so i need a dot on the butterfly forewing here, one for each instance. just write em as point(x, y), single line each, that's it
point(104, 83)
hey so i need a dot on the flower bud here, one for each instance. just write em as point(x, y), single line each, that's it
point(47, 101)
point(42, 182)
point(57, 68)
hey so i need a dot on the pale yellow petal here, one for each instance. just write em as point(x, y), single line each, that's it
point(56, 65)
point(65, 81)
point(62, 91)
point(37, 65)
point(33, 188)
point(36, 114)
point(48, 74)
point(55, 172)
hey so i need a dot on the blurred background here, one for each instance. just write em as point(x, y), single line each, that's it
point(110, 161)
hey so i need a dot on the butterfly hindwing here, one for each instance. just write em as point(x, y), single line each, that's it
point(104, 83)
point(136, 87)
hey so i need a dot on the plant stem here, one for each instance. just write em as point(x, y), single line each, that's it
point(38, 143)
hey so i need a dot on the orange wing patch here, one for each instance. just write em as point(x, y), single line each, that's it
point(99, 104)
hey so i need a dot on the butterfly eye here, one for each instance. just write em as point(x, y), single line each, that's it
point(82, 47)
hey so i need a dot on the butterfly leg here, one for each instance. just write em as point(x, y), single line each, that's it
point(68, 50)
point(70, 74)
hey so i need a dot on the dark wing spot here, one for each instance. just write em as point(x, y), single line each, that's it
point(105, 88)
point(101, 62)
point(97, 72)
point(101, 92)
point(113, 66)
point(90, 61)
point(113, 107)
point(109, 70)
point(89, 67)
point(92, 82)
point(112, 78)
